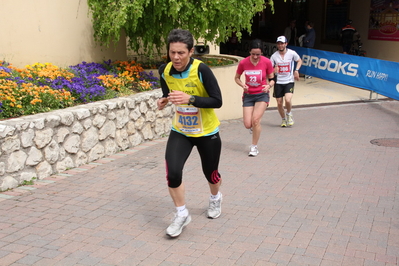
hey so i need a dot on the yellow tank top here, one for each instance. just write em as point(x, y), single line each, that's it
point(190, 120)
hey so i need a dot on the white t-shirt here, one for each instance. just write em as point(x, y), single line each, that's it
point(285, 67)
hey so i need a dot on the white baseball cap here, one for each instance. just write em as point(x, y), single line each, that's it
point(282, 39)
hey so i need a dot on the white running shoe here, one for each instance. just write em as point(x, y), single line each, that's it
point(176, 227)
point(215, 208)
point(253, 151)
point(283, 123)
point(290, 120)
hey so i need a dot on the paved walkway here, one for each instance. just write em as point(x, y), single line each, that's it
point(319, 193)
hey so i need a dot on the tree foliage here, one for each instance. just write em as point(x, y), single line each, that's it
point(148, 22)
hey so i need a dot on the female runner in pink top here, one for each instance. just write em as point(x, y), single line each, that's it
point(258, 74)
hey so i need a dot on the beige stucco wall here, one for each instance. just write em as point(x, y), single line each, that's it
point(359, 13)
point(51, 31)
point(231, 92)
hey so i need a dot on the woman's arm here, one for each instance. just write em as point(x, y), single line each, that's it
point(162, 102)
point(212, 88)
point(237, 79)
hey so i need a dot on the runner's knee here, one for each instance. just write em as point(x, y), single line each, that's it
point(214, 177)
point(173, 182)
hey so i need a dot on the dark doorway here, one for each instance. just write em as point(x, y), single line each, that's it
point(267, 26)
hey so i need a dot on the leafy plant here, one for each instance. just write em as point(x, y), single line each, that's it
point(147, 23)
point(28, 182)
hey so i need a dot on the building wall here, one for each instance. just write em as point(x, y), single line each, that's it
point(359, 12)
point(51, 31)
point(60, 32)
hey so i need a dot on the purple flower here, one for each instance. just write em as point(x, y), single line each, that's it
point(155, 83)
point(5, 69)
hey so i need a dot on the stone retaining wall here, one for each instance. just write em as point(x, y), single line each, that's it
point(41, 145)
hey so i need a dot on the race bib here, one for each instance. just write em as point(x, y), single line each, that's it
point(188, 119)
point(284, 68)
point(253, 78)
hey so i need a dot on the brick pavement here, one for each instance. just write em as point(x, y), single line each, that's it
point(318, 193)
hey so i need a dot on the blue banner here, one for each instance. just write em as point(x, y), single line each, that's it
point(371, 74)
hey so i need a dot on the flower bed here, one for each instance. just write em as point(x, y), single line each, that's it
point(41, 88)
point(44, 87)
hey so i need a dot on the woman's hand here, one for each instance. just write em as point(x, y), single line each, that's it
point(266, 88)
point(179, 97)
point(162, 102)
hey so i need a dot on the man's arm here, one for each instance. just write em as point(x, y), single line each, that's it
point(298, 66)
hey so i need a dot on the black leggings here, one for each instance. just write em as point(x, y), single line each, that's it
point(179, 148)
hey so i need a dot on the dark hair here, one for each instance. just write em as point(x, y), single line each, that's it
point(179, 35)
point(309, 23)
point(256, 44)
